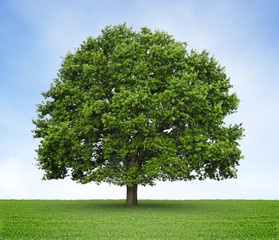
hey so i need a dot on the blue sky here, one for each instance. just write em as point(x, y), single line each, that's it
point(242, 35)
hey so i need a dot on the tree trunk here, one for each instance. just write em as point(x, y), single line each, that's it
point(132, 195)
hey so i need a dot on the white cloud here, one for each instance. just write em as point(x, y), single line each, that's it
point(253, 185)
point(20, 179)
point(13, 180)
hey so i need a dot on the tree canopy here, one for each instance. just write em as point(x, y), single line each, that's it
point(130, 108)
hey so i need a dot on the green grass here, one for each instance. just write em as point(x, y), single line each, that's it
point(152, 219)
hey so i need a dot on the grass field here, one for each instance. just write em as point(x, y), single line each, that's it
point(152, 219)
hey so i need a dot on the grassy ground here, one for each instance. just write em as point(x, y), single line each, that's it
point(152, 219)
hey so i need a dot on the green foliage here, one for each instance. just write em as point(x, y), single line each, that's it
point(152, 219)
point(134, 107)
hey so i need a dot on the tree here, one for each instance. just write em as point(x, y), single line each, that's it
point(129, 108)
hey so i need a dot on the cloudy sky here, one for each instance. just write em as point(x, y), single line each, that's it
point(242, 35)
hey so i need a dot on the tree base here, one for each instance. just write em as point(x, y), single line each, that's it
point(132, 195)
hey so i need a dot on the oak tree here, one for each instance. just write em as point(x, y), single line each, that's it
point(129, 108)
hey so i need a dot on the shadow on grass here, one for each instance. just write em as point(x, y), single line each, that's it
point(144, 205)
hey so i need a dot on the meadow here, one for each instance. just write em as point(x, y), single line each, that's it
point(152, 219)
